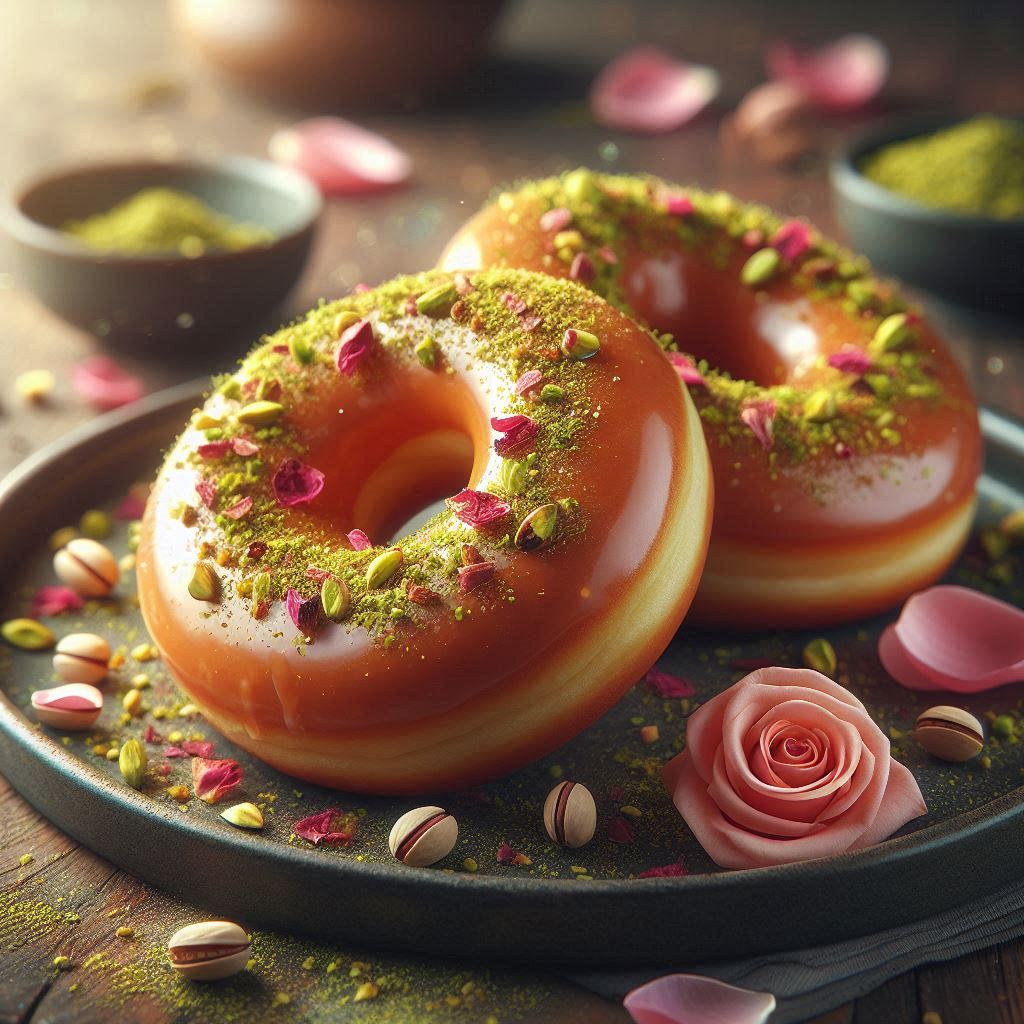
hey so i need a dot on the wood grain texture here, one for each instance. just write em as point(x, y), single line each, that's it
point(86, 100)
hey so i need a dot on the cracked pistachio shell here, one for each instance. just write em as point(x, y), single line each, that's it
point(423, 836)
point(570, 815)
point(260, 414)
point(244, 815)
point(209, 951)
point(383, 567)
point(87, 567)
point(537, 528)
point(74, 706)
point(950, 734)
point(28, 635)
point(205, 583)
point(133, 762)
point(336, 598)
point(81, 658)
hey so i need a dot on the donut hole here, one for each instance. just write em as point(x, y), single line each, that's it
point(393, 453)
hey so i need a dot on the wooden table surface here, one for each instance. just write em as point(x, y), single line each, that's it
point(74, 77)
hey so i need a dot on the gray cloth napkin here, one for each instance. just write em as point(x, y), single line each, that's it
point(808, 982)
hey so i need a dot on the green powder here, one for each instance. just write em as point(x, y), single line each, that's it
point(974, 167)
point(165, 220)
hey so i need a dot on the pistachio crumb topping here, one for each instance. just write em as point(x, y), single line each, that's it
point(513, 321)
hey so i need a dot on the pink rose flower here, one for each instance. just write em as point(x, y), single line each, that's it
point(786, 766)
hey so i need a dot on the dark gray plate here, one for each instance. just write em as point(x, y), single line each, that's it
point(581, 907)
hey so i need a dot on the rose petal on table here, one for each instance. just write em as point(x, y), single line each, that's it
point(341, 157)
point(645, 90)
point(668, 686)
point(956, 639)
point(54, 600)
point(842, 76)
point(104, 384)
point(695, 999)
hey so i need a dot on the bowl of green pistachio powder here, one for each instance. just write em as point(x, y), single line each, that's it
point(165, 255)
point(940, 202)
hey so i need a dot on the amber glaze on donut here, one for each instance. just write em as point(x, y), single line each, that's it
point(851, 482)
point(423, 686)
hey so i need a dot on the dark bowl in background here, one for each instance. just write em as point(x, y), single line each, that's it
point(970, 259)
point(164, 301)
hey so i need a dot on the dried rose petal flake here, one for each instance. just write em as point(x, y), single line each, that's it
point(668, 686)
point(759, 416)
point(355, 345)
point(213, 780)
point(295, 483)
point(687, 369)
point(54, 601)
point(359, 540)
point(104, 384)
point(519, 432)
point(239, 509)
point(479, 509)
point(330, 826)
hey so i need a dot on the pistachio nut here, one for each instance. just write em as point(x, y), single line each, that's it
point(133, 762)
point(344, 320)
point(244, 815)
point(74, 707)
point(761, 267)
point(87, 567)
point(81, 658)
point(820, 407)
point(210, 950)
point(820, 655)
point(570, 815)
point(301, 350)
point(950, 734)
point(383, 567)
point(423, 836)
point(260, 414)
point(437, 301)
point(336, 598)
point(205, 583)
point(512, 476)
point(260, 594)
point(27, 634)
point(426, 353)
point(537, 528)
point(580, 345)
point(552, 393)
point(892, 332)
point(96, 524)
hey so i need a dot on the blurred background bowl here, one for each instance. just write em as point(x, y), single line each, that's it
point(341, 54)
point(971, 259)
point(164, 301)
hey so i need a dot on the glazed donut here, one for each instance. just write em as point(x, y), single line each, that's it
point(575, 529)
point(843, 437)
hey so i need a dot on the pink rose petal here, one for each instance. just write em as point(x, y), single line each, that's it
point(173, 752)
point(528, 382)
point(620, 831)
point(645, 90)
point(151, 735)
point(207, 491)
point(244, 447)
point(677, 869)
point(314, 572)
point(305, 613)
point(54, 601)
point(759, 416)
point(239, 509)
point(582, 268)
point(842, 76)
point(214, 449)
point(668, 686)
point(340, 157)
point(213, 780)
point(359, 540)
point(519, 432)
point(679, 206)
point(953, 638)
point(198, 748)
point(556, 219)
point(102, 383)
point(687, 370)
point(479, 509)
point(850, 360)
point(695, 999)
point(133, 504)
point(475, 575)
point(356, 343)
point(792, 240)
point(330, 826)
point(295, 483)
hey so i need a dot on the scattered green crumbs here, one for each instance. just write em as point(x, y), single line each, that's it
point(512, 320)
point(842, 407)
point(166, 220)
point(974, 167)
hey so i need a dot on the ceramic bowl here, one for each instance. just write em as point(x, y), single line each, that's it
point(970, 259)
point(163, 300)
